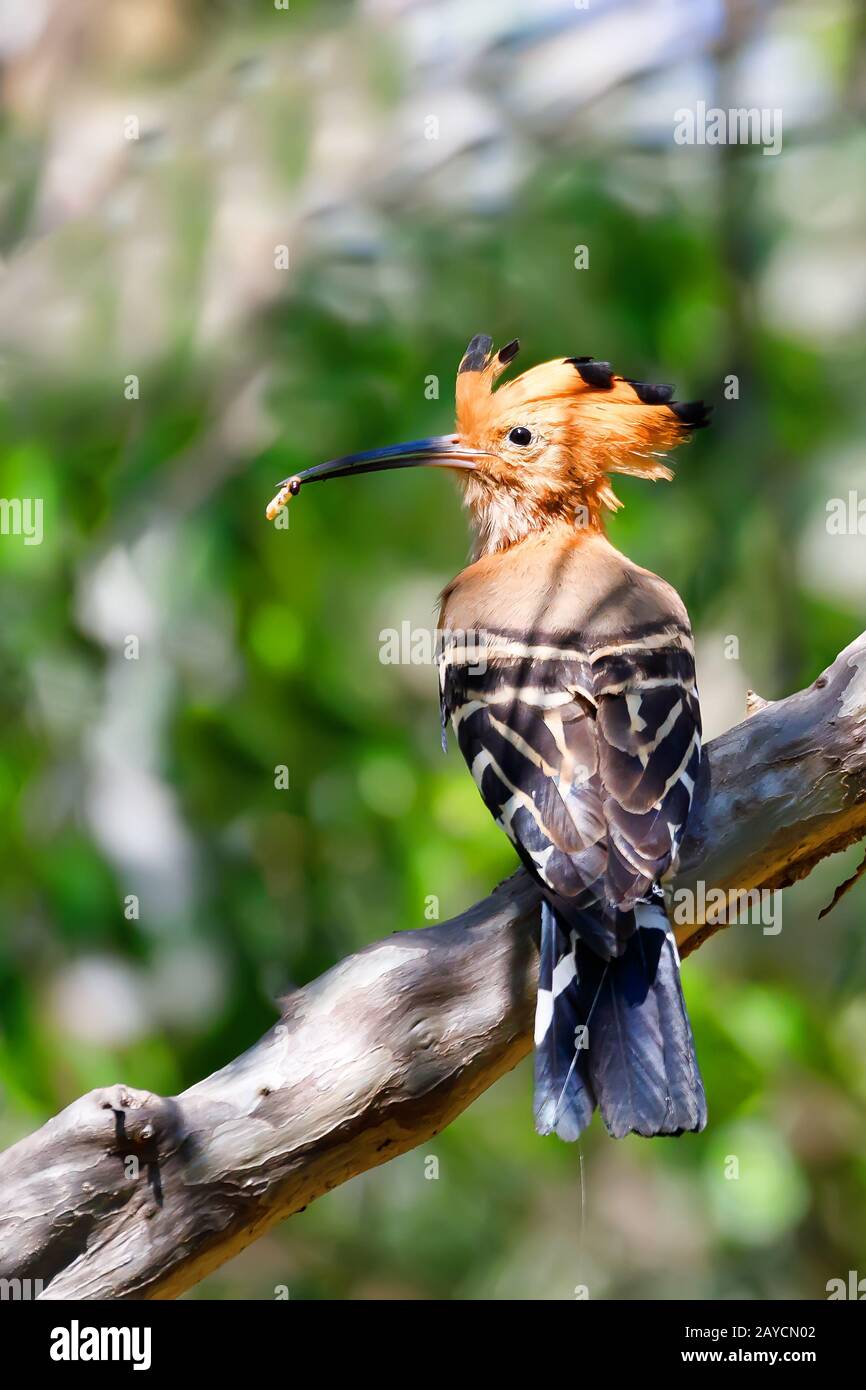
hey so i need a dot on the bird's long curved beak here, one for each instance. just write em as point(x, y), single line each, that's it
point(439, 451)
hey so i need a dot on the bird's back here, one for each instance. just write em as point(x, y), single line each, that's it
point(563, 584)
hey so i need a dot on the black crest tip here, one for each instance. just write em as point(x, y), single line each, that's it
point(596, 374)
point(477, 355)
point(651, 392)
point(692, 415)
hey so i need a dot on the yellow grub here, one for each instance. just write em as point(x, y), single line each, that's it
point(276, 504)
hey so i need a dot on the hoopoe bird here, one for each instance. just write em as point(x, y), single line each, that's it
point(567, 672)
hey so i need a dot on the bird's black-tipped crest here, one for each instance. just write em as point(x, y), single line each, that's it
point(477, 355)
point(692, 415)
point(652, 392)
point(597, 374)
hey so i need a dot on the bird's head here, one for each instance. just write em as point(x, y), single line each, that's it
point(539, 449)
point(549, 439)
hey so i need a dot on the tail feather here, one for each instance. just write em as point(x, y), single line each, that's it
point(638, 1060)
point(564, 1100)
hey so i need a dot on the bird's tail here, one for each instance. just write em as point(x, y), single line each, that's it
point(614, 1033)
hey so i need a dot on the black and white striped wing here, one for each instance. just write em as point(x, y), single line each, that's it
point(528, 737)
point(588, 766)
point(648, 727)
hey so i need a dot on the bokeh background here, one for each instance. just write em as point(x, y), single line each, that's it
point(155, 158)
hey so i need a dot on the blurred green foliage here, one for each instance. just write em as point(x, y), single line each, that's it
point(260, 647)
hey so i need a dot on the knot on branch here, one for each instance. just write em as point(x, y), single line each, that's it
point(144, 1123)
point(754, 703)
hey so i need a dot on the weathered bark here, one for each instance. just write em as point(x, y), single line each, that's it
point(129, 1195)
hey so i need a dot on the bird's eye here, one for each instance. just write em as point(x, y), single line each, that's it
point(520, 435)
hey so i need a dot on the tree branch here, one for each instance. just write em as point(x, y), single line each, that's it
point(129, 1195)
